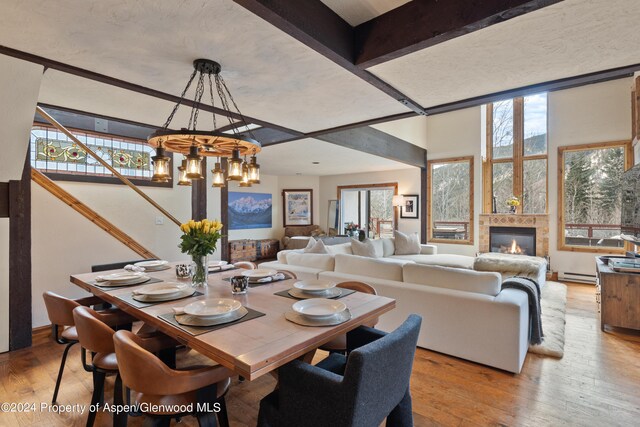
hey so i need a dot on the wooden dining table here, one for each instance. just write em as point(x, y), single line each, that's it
point(251, 348)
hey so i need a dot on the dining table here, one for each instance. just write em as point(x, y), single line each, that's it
point(250, 348)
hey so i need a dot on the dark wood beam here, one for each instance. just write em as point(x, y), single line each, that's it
point(91, 75)
point(4, 200)
point(423, 203)
point(20, 260)
point(224, 217)
point(199, 194)
point(378, 143)
point(417, 25)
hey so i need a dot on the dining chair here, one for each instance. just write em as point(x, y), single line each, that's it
point(245, 265)
point(60, 312)
point(96, 336)
point(154, 383)
point(288, 274)
point(339, 344)
point(360, 390)
point(115, 265)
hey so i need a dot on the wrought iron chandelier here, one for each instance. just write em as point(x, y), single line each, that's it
point(194, 144)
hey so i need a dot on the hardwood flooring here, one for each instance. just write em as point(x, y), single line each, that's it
point(597, 383)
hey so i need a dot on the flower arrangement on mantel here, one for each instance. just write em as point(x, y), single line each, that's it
point(513, 202)
point(351, 228)
point(199, 239)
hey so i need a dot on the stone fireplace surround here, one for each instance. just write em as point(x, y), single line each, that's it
point(538, 221)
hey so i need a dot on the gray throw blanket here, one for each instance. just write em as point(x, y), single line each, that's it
point(532, 290)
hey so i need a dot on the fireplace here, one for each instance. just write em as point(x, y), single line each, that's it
point(513, 240)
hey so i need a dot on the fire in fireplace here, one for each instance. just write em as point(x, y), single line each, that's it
point(513, 240)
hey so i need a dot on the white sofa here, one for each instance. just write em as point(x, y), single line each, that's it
point(465, 312)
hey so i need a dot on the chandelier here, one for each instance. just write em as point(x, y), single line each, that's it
point(194, 144)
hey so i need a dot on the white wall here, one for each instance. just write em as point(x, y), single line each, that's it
point(408, 183)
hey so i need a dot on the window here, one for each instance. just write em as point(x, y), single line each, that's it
point(516, 154)
point(450, 200)
point(590, 196)
point(370, 207)
point(60, 158)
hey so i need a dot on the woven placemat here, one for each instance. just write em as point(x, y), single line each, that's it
point(199, 330)
point(106, 288)
point(286, 294)
point(128, 298)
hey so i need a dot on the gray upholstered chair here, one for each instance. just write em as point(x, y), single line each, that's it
point(360, 390)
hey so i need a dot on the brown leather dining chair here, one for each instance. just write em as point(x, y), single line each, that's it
point(60, 312)
point(96, 336)
point(339, 344)
point(154, 383)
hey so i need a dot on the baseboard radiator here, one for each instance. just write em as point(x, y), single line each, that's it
point(577, 277)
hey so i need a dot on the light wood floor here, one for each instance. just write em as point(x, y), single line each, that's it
point(597, 383)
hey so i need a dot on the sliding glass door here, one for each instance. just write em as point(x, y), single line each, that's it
point(371, 208)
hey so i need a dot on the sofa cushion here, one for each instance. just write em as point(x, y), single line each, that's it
point(453, 278)
point(315, 247)
point(319, 261)
point(388, 246)
point(341, 248)
point(406, 244)
point(370, 267)
point(282, 255)
point(366, 248)
point(443, 260)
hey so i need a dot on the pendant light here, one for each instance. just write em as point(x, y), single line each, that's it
point(182, 177)
point(218, 175)
point(194, 163)
point(254, 171)
point(160, 166)
point(245, 176)
point(235, 166)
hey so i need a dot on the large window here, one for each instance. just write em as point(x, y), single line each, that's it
point(370, 207)
point(60, 158)
point(590, 195)
point(450, 200)
point(516, 154)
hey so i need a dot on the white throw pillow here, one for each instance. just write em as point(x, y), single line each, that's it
point(366, 248)
point(341, 248)
point(406, 244)
point(317, 248)
point(388, 247)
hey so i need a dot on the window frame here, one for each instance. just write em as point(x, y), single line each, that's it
point(518, 158)
point(101, 179)
point(430, 238)
point(361, 187)
point(628, 163)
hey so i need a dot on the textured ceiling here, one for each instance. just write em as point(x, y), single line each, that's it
point(570, 38)
point(152, 43)
point(355, 12)
point(297, 157)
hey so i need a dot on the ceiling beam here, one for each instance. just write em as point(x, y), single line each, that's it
point(420, 24)
point(373, 141)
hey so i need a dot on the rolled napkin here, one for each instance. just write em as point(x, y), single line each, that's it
point(274, 278)
point(131, 267)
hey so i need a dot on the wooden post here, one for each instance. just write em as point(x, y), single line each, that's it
point(224, 216)
point(199, 194)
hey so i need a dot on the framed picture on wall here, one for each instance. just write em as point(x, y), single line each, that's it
point(411, 207)
point(297, 207)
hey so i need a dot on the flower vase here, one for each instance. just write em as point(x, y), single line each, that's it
point(512, 209)
point(199, 271)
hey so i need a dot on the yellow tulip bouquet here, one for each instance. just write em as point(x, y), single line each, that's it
point(199, 239)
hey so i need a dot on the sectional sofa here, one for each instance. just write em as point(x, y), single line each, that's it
point(465, 312)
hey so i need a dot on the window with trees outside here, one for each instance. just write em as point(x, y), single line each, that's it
point(590, 195)
point(516, 155)
point(370, 207)
point(450, 200)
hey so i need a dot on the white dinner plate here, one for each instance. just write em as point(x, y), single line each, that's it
point(212, 307)
point(314, 286)
point(217, 263)
point(152, 265)
point(259, 273)
point(317, 308)
point(138, 281)
point(121, 277)
point(162, 289)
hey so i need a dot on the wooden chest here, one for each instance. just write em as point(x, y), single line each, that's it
point(252, 250)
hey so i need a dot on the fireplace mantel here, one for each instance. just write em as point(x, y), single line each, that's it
point(538, 221)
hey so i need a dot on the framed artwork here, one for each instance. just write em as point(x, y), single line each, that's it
point(249, 210)
point(297, 207)
point(411, 206)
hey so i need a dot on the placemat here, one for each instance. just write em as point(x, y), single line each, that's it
point(344, 293)
point(106, 288)
point(199, 330)
point(128, 298)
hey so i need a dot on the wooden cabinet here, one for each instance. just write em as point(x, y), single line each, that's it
point(252, 250)
point(618, 296)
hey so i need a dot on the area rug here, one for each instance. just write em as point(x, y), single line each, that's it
point(553, 302)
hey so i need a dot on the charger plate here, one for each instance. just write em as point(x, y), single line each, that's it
point(329, 293)
point(188, 320)
point(183, 294)
point(300, 319)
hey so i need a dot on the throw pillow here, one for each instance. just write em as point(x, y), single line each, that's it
point(406, 244)
point(365, 248)
point(317, 248)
